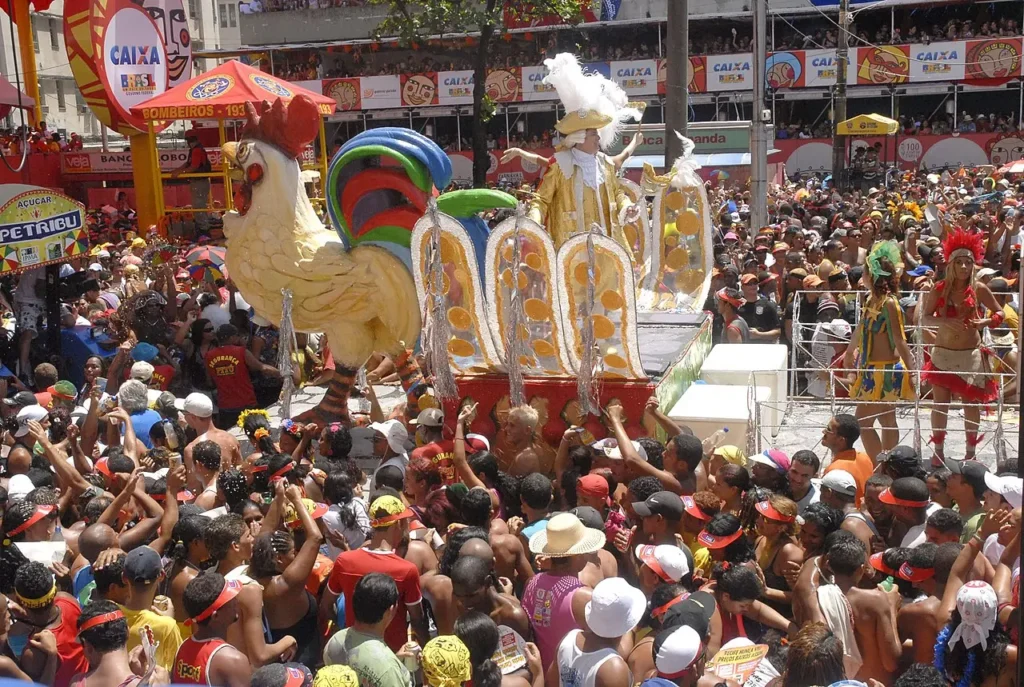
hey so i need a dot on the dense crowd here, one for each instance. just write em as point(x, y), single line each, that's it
point(37, 140)
point(160, 526)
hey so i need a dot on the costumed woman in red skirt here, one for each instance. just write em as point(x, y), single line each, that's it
point(959, 365)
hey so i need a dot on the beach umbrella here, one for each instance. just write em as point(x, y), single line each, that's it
point(1015, 167)
point(79, 244)
point(206, 255)
point(207, 273)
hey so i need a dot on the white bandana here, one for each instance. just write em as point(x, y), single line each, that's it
point(978, 606)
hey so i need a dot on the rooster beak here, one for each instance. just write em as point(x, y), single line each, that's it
point(229, 150)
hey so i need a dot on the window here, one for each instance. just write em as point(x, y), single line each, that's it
point(232, 18)
point(223, 16)
point(62, 104)
point(54, 33)
point(191, 9)
point(35, 33)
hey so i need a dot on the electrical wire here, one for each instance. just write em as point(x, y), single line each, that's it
point(17, 78)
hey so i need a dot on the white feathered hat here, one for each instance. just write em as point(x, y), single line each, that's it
point(591, 100)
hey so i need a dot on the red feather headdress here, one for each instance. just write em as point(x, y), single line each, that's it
point(964, 243)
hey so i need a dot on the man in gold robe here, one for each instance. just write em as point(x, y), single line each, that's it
point(580, 188)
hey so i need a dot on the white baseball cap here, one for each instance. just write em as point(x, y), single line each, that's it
point(395, 432)
point(142, 371)
point(1007, 486)
point(95, 267)
point(615, 608)
point(28, 413)
point(676, 650)
point(666, 561)
point(840, 481)
point(198, 404)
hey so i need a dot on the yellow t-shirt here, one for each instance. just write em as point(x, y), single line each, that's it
point(701, 557)
point(164, 629)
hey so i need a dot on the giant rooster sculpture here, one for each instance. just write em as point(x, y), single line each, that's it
point(353, 282)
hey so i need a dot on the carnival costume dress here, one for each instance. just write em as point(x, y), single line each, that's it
point(881, 380)
point(965, 373)
point(581, 189)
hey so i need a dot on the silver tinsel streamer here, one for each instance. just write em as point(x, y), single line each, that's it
point(918, 363)
point(438, 334)
point(514, 348)
point(586, 380)
point(285, 349)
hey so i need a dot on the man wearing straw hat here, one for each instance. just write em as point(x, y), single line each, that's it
point(555, 599)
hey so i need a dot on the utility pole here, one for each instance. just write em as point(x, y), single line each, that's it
point(676, 78)
point(839, 104)
point(759, 123)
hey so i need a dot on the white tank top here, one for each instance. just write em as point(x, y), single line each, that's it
point(579, 669)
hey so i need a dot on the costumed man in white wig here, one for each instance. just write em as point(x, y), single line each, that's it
point(580, 188)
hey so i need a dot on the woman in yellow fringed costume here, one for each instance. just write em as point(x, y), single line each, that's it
point(876, 350)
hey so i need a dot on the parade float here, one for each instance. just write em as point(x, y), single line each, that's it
point(605, 305)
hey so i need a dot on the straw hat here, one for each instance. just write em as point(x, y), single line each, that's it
point(565, 535)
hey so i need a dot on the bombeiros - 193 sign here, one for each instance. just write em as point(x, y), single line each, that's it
point(124, 52)
point(39, 227)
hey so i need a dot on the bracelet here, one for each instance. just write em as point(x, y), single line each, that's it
point(997, 319)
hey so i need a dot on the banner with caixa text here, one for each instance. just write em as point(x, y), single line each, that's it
point(39, 227)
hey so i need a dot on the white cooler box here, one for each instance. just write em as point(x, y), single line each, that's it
point(707, 408)
point(732, 364)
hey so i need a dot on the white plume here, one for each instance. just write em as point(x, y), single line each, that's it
point(590, 91)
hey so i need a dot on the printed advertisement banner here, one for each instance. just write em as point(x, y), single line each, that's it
point(504, 85)
point(380, 92)
point(346, 93)
point(880, 65)
point(455, 88)
point(819, 68)
point(993, 61)
point(121, 162)
point(636, 77)
point(730, 72)
point(39, 227)
point(696, 75)
point(937, 61)
point(419, 90)
point(784, 70)
point(534, 87)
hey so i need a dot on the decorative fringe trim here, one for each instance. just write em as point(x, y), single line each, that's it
point(439, 333)
point(285, 350)
point(514, 348)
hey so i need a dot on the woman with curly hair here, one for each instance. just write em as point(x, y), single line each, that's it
point(255, 422)
point(815, 657)
point(959, 365)
point(739, 611)
point(878, 352)
point(973, 650)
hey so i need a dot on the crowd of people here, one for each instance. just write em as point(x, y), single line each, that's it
point(33, 140)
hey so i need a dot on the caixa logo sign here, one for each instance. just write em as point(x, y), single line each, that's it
point(634, 72)
point(937, 56)
point(731, 67)
point(134, 54)
point(459, 80)
point(823, 62)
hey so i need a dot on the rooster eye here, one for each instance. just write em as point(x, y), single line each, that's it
point(243, 152)
point(254, 173)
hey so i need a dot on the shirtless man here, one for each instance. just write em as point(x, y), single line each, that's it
point(475, 588)
point(198, 413)
point(928, 569)
point(853, 254)
point(437, 586)
point(682, 456)
point(601, 564)
point(873, 611)
point(839, 490)
point(700, 473)
point(516, 447)
point(510, 558)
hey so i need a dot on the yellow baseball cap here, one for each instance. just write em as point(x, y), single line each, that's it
point(387, 510)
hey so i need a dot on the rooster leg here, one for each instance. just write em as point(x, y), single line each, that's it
point(412, 378)
point(333, 407)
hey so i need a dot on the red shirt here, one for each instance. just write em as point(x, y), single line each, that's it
point(351, 566)
point(229, 373)
point(192, 662)
point(162, 375)
point(72, 656)
point(442, 453)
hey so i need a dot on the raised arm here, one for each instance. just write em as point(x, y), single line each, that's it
point(958, 574)
point(138, 535)
point(632, 459)
point(664, 421)
point(297, 572)
point(175, 483)
point(465, 473)
point(68, 477)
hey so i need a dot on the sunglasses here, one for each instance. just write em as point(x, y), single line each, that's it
point(208, 331)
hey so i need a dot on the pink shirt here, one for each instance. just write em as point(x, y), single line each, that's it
point(547, 601)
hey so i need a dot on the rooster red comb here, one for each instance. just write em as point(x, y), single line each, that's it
point(961, 242)
point(288, 127)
